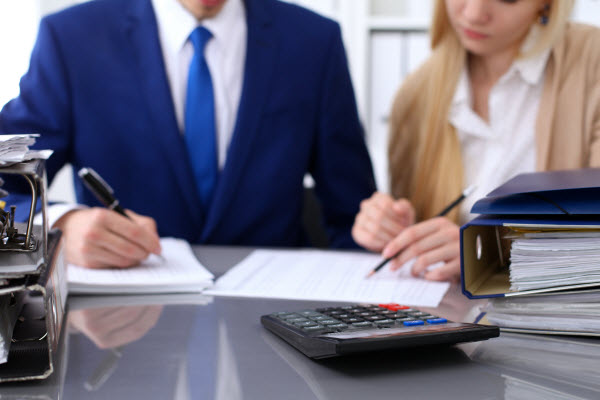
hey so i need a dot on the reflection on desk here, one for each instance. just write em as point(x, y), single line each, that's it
point(251, 364)
point(544, 367)
point(129, 351)
point(421, 373)
point(269, 368)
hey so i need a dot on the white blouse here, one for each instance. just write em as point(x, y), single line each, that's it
point(495, 151)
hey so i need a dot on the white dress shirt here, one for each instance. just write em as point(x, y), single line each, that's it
point(225, 55)
point(495, 151)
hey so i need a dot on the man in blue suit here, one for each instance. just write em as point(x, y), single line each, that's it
point(106, 89)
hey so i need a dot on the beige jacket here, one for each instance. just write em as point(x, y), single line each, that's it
point(568, 122)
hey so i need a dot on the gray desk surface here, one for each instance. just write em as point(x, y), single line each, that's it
point(191, 347)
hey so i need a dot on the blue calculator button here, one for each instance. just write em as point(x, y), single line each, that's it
point(414, 323)
point(437, 321)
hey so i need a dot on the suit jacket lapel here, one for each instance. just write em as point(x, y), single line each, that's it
point(142, 31)
point(259, 66)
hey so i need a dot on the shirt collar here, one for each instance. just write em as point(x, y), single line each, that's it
point(176, 23)
point(530, 69)
point(233, 12)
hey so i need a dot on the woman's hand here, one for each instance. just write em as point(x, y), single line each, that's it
point(380, 219)
point(435, 240)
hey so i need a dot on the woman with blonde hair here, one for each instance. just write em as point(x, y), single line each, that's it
point(510, 87)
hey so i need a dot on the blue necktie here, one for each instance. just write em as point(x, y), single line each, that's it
point(200, 132)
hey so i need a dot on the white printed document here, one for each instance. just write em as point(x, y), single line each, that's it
point(177, 271)
point(325, 276)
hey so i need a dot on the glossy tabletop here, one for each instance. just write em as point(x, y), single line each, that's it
point(194, 347)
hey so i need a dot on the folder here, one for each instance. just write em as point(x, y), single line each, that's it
point(33, 286)
point(39, 304)
point(569, 192)
point(542, 201)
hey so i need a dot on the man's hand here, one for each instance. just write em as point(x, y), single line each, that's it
point(110, 327)
point(99, 237)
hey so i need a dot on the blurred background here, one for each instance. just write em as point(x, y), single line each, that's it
point(385, 40)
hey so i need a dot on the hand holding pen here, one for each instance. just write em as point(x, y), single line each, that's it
point(431, 241)
point(101, 237)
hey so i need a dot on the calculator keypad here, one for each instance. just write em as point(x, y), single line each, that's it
point(356, 317)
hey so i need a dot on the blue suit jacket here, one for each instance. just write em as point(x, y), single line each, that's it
point(97, 91)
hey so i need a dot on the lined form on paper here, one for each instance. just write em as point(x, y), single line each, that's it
point(325, 275)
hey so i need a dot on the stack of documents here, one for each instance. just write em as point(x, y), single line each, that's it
point(537, 233)
point(574, 312)
point(15, 148)
point(554, 258)
point(176, 271)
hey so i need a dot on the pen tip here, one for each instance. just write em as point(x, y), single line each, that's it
point(370, 274)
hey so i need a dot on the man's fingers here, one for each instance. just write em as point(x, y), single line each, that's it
point(114, 234)
point(129, 238)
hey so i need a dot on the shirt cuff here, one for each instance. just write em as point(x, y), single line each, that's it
point(56, 211)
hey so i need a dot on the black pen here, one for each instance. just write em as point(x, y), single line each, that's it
point(445, 211)
point(103, 192)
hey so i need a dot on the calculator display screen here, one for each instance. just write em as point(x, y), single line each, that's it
point(401, 331)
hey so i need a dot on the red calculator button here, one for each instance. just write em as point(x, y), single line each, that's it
point(398, 307)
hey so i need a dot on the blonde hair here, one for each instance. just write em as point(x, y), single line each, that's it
point(424, 152)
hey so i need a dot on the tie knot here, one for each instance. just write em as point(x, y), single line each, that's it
point(199, 37)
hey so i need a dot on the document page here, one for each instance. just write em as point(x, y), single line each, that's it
point(326, 276)
point(177, 271)
point(555, 258)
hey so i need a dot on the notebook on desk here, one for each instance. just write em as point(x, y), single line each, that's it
point(177, 271)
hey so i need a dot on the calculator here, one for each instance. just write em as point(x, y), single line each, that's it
point(337, 331)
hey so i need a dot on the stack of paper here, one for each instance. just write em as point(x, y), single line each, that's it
point(177, 271)
point(571, 313)
point(558, 258)
point(15, 148)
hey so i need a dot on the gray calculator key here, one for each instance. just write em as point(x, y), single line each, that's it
point(363, 324)
point(314, 328)
point(385, 322)
point(305, 323)
point(294, 320)
point(309, 313)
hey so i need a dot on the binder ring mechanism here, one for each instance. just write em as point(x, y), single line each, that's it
point(10, 237)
